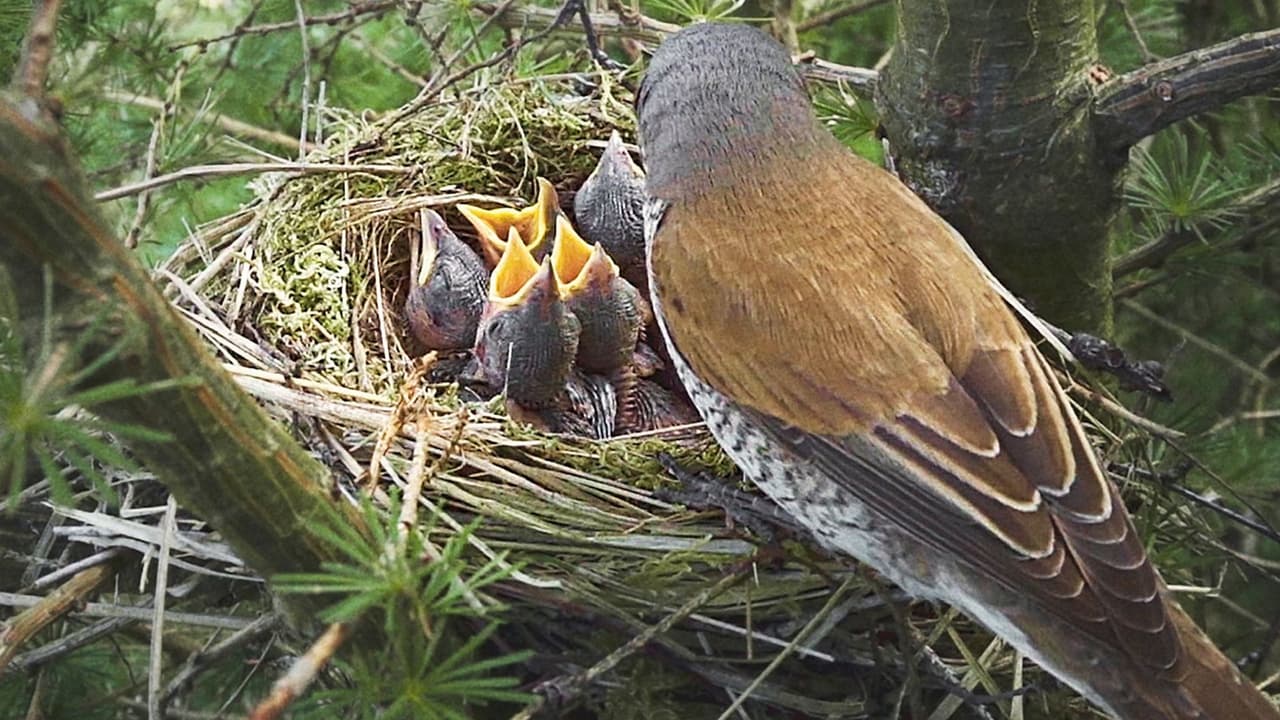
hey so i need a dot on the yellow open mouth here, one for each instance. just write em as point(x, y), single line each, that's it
point(516, 268)
point(534, 223)
point(575, 262)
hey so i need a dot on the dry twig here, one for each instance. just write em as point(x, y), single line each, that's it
point(65, 599)
point(295, 682)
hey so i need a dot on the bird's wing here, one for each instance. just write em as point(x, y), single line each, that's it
point(876, 351)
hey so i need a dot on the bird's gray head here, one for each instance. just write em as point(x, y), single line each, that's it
point(716, 99)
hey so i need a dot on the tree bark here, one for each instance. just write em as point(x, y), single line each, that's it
point(986, 107)
point(227, 461)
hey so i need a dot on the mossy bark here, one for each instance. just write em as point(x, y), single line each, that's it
point(227, 461)
point(987, 109)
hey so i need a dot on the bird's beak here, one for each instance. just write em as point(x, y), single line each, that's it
point(578, 265)
point(545, 213)
point(432, 225)
point(533, 222)
point(616, 161)
point(513, 279)
point(488, 223)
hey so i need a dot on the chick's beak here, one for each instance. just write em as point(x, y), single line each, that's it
point(616, 160)
point(432, 228)
point(511, 280)
point(533, 222)
point(577, 264)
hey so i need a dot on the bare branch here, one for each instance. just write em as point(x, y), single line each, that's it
point(355, 11)
point(231, 126)
point(861, 80)
point(637, 27)
point(651, 32)
point(784, 25)
point(53, 606)
point(33, 68)
point(198, 171)
point(302, 673)
point(823, 19)
point(1139, 103)
point(203, 660)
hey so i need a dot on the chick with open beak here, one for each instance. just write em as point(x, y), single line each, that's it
point(608, 307)
point(535, 223)
point(609, 209)
point(446, 288)
point(527, 338)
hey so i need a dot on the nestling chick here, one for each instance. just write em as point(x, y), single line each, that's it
point(607, 306)
point(589, 409)
point(654, 407)
point(446, 288)
point(609, 210)
point(535, 223)
point(527, 337)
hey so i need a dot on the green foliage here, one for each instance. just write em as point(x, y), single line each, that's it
point(45, 400)
point(1177, 190)
point(426, 603)
point(851, 119)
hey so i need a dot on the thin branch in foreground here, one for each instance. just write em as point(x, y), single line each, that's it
point(355, 11)
point(201, 661)
point(155, 664)
point(1140, 103)
point(303, 672)
point(565, 688)
point(1208, 346)
point(231, 126)
point(1173, 481)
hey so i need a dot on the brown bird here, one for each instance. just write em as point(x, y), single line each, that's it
point(607, 307)
point(446, 289)
point(609, 209)
point(535, 223)
point(527, 338)
point(851, 354)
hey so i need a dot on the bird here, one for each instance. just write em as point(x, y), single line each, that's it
point(535, 223)
point(446, 288)
point(851, 354)
point(654, 407)
point(608, 309)
point(609, 209)
point(527, 337)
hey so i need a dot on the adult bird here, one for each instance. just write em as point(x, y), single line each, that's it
point(853, 357)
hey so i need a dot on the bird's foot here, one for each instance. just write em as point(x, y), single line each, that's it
point(757, 513)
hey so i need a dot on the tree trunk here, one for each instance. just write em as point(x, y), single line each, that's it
point(227, 461)
point(987, 109)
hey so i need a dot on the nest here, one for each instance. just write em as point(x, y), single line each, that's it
point(301, 293)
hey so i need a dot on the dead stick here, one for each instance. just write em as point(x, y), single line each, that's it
point(53, 606)
point(303, 672)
